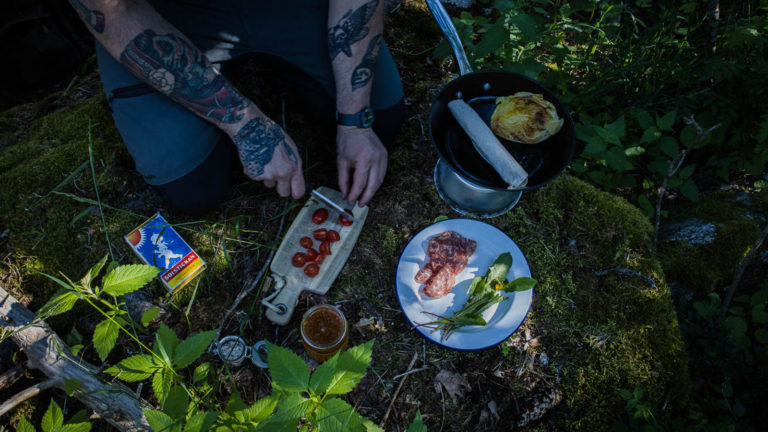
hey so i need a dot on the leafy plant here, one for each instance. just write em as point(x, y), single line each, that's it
point(53, 421)
point(643, 414)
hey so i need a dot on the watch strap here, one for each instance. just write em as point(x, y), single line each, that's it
point(360, 119)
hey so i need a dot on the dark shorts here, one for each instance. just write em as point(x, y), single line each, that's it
point(166, 140)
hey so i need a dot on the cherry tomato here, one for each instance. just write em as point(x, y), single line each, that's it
point(345, 220)
point(299, 259)
point(320, 215)
point(311, 254)
point(325, 248)
point(311, 270)
point(333, 236)
point(305, 242)
point(320, 258)
point(320, 234)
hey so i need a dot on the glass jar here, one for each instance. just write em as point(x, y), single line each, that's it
point(324, 332)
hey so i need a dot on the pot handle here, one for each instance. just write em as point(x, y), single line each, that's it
point(450, 33)
point(488, 145)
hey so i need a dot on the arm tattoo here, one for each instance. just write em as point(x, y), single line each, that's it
point(178, 69)
point(92, 17)
point(363, 72)
point(256, 142)
point(350, 29)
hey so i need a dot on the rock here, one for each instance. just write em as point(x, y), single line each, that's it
point(692, 231)
point(460, 3)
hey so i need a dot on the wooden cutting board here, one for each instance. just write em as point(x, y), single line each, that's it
point(289, 280)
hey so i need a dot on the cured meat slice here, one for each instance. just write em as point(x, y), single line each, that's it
point(448, 254)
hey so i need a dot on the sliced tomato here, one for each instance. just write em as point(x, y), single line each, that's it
point(320, 258)
point(320, 215)
point(306, 242)
point(311, 270)
point(299, 259)
point(325, 247)
point(345, 220)
point(311, 254)
point(320, 234)
point(333, 236)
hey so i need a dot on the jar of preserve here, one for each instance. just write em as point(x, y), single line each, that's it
point(324, 332)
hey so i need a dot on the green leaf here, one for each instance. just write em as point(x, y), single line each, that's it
point(75, 427)
point(202, 372)
point(644, 119)
point(687, 171)
point(651, 134)
point(293, 407)
point(440, 218)
point(158, 420)
point(289, 372)
point(162, 381)
point(595, 145)
point(616, 159)
point(192, 348)
point(759, 315)
point(128, 278)
point(526, 25)
point(370, 426)
point(63, 301)
point(688, 135)
point(134, 368)
point(165, 343)
point(478, 285)
point(335, 415)
point(25, 426)
point(201, 422)
point(53, 417)
point(176, 403)
point(689, 190)
point(520, 284)
point(666, 122)
point(71, 386)
point(761, 336)
point(608, 136)
point(262, 408)
point(494, 39)
point(668, 146)
point(417, 425)
point(322, 376)
point(105, 335)
point(148, 316)
point(93, 272)
point(352, 365)
point(617, 128)
point(500, 267)
point(634, 151)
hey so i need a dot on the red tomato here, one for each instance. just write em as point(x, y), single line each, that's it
point(320, 258)
point(333, 236)
point(311, 270)
point(320, 215)
point(345, 220)
point(325, 247)
point(305, 242)
point(311, 254)
point(299, 259)
point(320, 234)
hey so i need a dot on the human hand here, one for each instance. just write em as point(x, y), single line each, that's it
point(270, 156)
point(361, 151)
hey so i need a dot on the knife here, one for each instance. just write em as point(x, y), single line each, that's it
point(311, 189)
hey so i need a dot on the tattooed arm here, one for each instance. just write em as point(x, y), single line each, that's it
point(156, 52)
point(354, 38)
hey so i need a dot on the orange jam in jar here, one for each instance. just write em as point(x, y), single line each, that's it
point(324, 332)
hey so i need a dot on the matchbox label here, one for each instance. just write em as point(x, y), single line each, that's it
point(157, 243)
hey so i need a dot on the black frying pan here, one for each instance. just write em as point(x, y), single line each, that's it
point(543, 161)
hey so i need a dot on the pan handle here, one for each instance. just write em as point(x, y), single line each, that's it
point(450, 33)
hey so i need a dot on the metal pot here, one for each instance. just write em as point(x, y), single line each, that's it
point(463, 178)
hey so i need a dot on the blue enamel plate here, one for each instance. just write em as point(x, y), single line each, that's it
point(503, 318)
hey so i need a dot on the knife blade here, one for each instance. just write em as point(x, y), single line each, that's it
point(311, 189)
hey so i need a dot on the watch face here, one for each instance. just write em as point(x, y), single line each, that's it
point(367, 118)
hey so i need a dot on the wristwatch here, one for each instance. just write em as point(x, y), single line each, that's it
point(361, 119)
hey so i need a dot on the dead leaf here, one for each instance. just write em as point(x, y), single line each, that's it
point(454, 383)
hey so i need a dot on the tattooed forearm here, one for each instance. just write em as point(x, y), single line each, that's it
point(178, 69)
point(94, 18)
point(350, 29)
point(256, 143)
point(363, 72)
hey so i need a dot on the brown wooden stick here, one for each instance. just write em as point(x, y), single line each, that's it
point(9, 377)
point(28, 393)
point(47, 352)
point(730, 290)
point(397, 391)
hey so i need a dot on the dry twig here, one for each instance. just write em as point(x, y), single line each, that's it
point(28, 393)
point(730, 290)
point(397, 391)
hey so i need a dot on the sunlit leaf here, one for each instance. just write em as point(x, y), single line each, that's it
point(289, 372)
point(128, 278)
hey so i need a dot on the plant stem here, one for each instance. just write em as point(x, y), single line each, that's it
point(730, 290)
point(96, 188)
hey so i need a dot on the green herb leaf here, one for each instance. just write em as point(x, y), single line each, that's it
point(201, 422)
point(71, 386)
point(293, 407)
point(176, 403)
point(520, 284)
point(651, 134)
point(158, 420)
point(63, 301)
point(494, 39)
point(417, 425)
point(149, 315)
point(162, 381)
point(666, 122)
point(689, 190)
point(262, 408)
point(25, 426)
point(53, 417)
point(165, 343)
point(644, 119)
point(289, 372)
point(500, 267)
point(322, 376)
point(335, 415)
point(351, 368)
point(134, 368)
point(128, 278)
point(478, 285)
point(668, 146)
point(93, 272)
point(526, 25)
point(192, 348)
point(202, 372)
point(105, 335)
point(75, 427)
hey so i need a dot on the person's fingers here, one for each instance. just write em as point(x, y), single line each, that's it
point(269, 183)
point(343, 167)
point(372, 185)
point(284, 187)
point(359, 180)
point(297, 185)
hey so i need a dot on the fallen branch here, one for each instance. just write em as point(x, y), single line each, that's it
point(47, 352)
point(397, 391)
point(9, 377)
point(28, 393)
point(730, 290)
